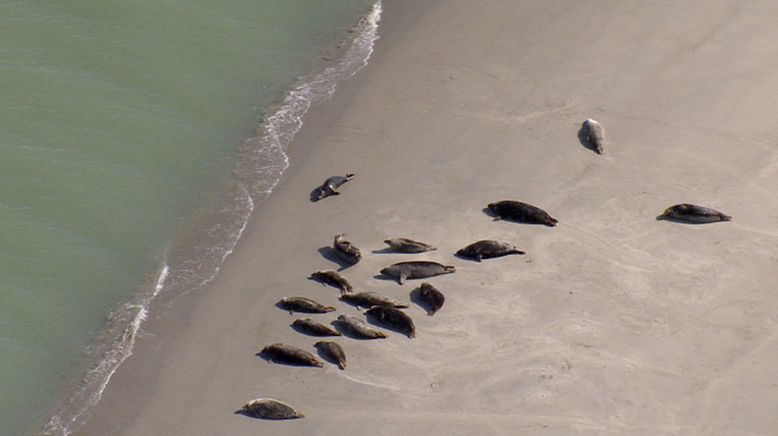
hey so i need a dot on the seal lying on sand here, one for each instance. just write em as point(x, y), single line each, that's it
point(268, 408)
point(403, 245)
point(346, 250)
point(594, 135)
point(521, 212)
point(488, 249)
point(395, 318)
point(302, 304)
point(359, 328)
point(370, 299)
point(431, 297)
point(313, 328)
point(332, 278)
point(417, 269)
point(333, 351)
point(693, 214)
point(330, 186)
point(289, 354)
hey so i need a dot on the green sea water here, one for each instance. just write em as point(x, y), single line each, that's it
point(119, 120)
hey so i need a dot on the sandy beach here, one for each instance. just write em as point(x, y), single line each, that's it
point(612, 323)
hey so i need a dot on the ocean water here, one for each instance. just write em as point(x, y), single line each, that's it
point(135, 140)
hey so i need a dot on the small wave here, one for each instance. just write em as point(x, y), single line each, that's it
point(191, 265)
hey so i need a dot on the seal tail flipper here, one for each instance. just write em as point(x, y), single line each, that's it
point(725, 217)
point(402, 278)
point(341, 365)
point(517, 251)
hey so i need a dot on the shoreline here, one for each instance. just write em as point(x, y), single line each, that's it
point(612, 322)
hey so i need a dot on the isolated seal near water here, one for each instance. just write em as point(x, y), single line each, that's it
point(594, 135)
point(693, 214)
point(370, 299)
point(284, 353)
point(313, 328)
point(487, 249)
point(268, 408)
point(394, 318)
point(333, 351)
point(330, 186)
point(431, 297)
point(521, 212)
point(359, 328)
point(417, 269)
point(302, 304)
point(404, 245)
point(346, 250)
point(332, 278)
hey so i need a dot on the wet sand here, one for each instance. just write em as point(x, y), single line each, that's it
point(612, 323)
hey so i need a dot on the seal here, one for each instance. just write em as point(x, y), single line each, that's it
point(359, 328)
point(404, 245)
point(431, 297)
point(313, 328)
point(346, 250)
point(521, 212)
point(330, 186)
point(370, 299)
point(487, 249)
point(394, 318)
point(332, 278)
point(268, 408)
point(692, 214)
point(302, 304)
point(594, 135)
point(333, 352)
point(417, 269)
point(283, 353)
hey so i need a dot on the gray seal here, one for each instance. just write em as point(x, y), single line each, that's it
point(333, 351)
point(521, 212)
point(370, 299)
point(487, 249)
point(330, 186)
point(417, 269)
point(302, 304)
point(313, 328)
point(359, 328)
point(268, 408)
point(283, 353)
point(404, 245)
point(594, 135)
point(346, 250)
point(693, 214)
point(394, 318)
point(332, 278)
point(431, 297)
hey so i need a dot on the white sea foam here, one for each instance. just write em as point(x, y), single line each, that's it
point(261, 163)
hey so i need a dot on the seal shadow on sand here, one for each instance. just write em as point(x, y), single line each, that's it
point(680, 221)
point(415, 297)
point(386, 250)
point(328, 253)
point(584, 140)
point(375, 323)
point(266, 357)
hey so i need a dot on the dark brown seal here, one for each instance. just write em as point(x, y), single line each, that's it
point(332, 278)
point(302, 304)
point(417, 269)
point(346, 250)
point(313, 328)
point(333, 351)
point(488, 249)
point(431, 297)
point(404, 245)
point(693, 214)
point(268, 408)
point(330, 186)
point(284, 353)
point(370, 299)
point(359, 328)
point(594, 135)
point(394, 318)
point(521, 212)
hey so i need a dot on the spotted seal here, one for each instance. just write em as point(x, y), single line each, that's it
point(417, 269)
point(521, 212)
point(283, 353)
point(333, 351)
point(268, 408)
point(346, 250)
point(404, 245)
point(302, 304)
point(333, 278)
point(359, 328)
point(330, 186)
point(313, 328)
point(693, 214)
point(394, 318)
point(370, 299)
point(487, 249)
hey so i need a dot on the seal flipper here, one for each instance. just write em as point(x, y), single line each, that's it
point(402, 278)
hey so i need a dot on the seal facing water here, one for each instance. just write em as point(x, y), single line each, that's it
point(345, 250)
point(693, 214)
point(394, 318)
point(283, 353)
point(404, 245)
point(417, 269)
point(370, 299)
point(333, 351)
point(593, 133)
point(488, 249)
point(332, 278)
point(268, 408)
point(521, 212)
point(330, 186)
point(302, 304)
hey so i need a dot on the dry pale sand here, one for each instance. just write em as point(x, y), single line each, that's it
point(613, 323)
